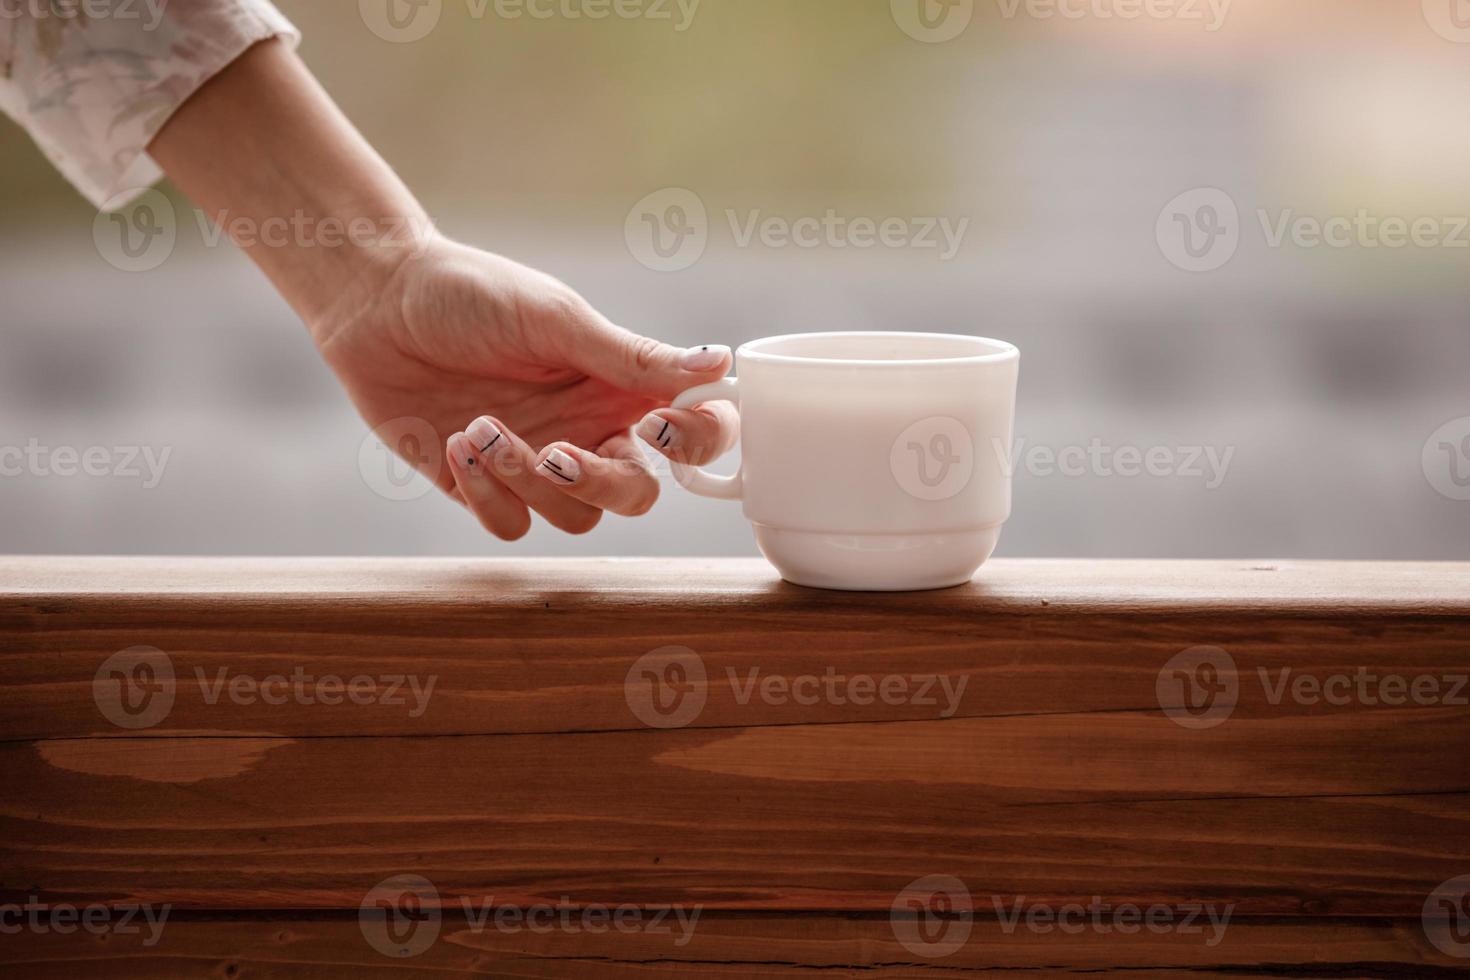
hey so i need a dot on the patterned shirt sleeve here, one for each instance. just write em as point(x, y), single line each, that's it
point(94, 82)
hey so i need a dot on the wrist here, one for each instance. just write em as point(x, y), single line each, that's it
point(364, 279)
point(345, 259)
point(264, 151)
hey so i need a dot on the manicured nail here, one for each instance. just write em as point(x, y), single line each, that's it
point(705, 358)
point(483, 435)
point(657, 431)
point(463, 453)
point(558, 467)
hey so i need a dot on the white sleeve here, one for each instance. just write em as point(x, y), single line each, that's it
point(94, 82)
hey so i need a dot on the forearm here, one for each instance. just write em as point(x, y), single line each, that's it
point(263, 150)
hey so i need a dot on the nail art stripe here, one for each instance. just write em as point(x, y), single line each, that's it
point(556, 471)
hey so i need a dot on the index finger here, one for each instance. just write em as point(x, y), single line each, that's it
point(694, 436)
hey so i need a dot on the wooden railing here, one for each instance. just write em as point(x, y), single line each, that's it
point(688, 768)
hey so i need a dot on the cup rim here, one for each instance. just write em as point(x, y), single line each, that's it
point(751, 350)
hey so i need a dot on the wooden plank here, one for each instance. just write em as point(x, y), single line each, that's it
point(513, 647)
point(733, 946)
point(1346, 817)
point(1053, 762)
point(1425, 587)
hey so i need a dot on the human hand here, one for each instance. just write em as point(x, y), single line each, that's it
point(535, 390)
point(532, 390)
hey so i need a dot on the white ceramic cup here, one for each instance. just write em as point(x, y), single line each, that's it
point(869, 461)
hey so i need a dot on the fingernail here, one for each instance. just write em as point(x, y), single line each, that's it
point(483, 435)
point(558, 467)
point(463, 453)
point(657, 431)
point(705, 358)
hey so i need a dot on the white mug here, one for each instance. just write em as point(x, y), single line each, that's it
point(869, 461)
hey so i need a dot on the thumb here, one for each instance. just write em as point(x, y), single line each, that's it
point(642, 365)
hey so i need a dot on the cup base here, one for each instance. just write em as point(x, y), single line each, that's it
point(876, 562)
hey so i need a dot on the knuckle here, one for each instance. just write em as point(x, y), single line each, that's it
point(505, 531)
point(581, 523)
point(513, 533)
point(562, 304)
point(643, 504)
point(643, 352)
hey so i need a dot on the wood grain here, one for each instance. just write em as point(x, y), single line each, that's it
point(1358, 822)
point(732, 946)
point(516, 647)
point(1048, 761)
point(1019, 583)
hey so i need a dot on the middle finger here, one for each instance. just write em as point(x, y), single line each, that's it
point(511, 461)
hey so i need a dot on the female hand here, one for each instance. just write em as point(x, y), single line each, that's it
point(532, 391)
point(535, 391)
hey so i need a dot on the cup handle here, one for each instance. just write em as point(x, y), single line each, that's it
point(692, 478)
